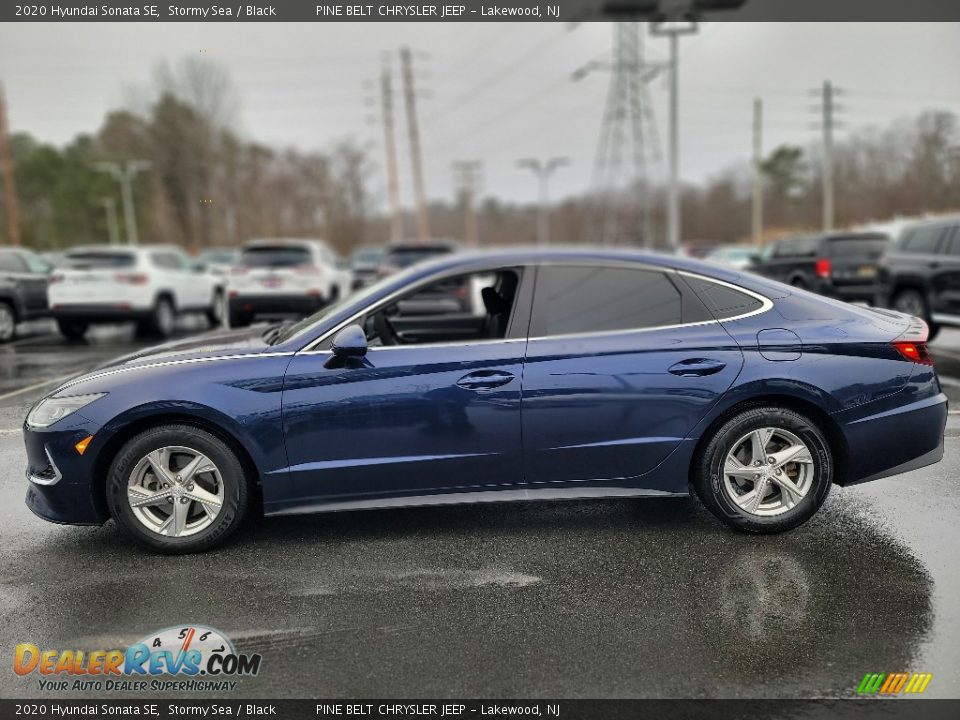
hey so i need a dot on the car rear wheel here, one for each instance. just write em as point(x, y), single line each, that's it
point(73, 329)
point(163, 319)
point(215, 311)
point(8, 322)
point(177, 489)
point(765, 470)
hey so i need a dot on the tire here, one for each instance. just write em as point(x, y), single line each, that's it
point(799, 282)
point(73, 330)
point(154, 524)
point(913, 302)
point(214, 313)
point(8, 322)
point(778, 509)
point(163, 318)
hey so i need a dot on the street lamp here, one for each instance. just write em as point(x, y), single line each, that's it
point(124, 174)
point(543, 170)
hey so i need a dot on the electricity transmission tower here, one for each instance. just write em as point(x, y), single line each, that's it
point(467, 175)
point(628, 150)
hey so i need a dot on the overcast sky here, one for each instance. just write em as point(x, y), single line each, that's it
point(497, 91)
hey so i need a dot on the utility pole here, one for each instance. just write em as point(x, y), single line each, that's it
point(673, 31)
point(390, 145)
point(467, 174)
point(757, 171)
point(410, 97)
point(124, 174)
point(828, 109)
point(543, 170)
point(6, 168)
point(113, 230)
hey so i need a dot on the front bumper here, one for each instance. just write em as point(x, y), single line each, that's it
point(253, 304)
point(62, 486)
point(99, 313)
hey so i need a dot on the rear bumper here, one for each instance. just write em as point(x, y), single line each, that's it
point(896, 440)
point(254, 304)
point(99, 313)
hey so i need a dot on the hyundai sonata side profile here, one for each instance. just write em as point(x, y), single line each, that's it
point(573, 374)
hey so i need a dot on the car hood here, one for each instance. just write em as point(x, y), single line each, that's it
point(225, 342)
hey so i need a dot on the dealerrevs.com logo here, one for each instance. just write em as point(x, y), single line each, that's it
point(199, 658)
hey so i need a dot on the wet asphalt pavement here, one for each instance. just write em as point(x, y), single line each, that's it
point(626, 598)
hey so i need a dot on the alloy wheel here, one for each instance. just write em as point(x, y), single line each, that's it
point(768, 472)
point(175, 491)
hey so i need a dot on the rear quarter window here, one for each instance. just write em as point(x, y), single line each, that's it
point(723, 301)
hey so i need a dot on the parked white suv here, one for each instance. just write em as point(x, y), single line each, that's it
point(149, 284)
point(285, 278)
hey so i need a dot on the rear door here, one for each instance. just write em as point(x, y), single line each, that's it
point(621, 364)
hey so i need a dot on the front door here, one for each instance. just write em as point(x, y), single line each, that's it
point(613, 381)
point(417, 416)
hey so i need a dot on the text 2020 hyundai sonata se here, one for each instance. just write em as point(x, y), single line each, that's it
point(563, 374)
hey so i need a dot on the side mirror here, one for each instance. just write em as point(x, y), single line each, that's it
point(351, 342)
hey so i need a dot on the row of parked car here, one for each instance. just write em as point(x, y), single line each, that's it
point(152, 284)
point(917, 273)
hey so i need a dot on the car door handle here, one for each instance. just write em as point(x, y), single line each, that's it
point(697, 367)
point(484, 380)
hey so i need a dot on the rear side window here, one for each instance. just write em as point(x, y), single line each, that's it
point(99, 260)
point(723, 301)
point(921, 240)
point(579, 299)
point(849, 247)
point(275, 256)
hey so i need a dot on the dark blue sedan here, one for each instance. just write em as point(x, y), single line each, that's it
point(560, 374)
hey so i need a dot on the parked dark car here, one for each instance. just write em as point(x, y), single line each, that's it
point(364, 262)
point(24, 277)
point(583, 374)
point(450, 297)
point(920, 274)
point(840, 265)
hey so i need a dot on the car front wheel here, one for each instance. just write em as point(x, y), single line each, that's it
point(765, 470)
point(8, 322)
point(177, 489)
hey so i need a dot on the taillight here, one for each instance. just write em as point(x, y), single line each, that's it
point(822, 268)
point(913, 351)
point(238, 270)
point(55, 279)
point(132, 278)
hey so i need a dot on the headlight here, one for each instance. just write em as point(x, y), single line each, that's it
point(51, 409)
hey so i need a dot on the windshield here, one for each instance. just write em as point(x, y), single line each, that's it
point(405, 257)
point(872, 246)
point(275, 256)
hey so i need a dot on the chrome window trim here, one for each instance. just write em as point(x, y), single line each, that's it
point(766, 304)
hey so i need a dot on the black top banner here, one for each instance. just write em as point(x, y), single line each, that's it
point(476, 10)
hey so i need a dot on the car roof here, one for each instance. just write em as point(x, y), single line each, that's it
point(934, 222)
point(298, 242)
point(123, 248)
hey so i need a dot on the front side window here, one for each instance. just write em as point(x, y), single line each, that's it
point(582, 299)
point(466, 308)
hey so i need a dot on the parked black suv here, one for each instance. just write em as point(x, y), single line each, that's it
point(23, 289)
point(840, 265)
point(920, 273)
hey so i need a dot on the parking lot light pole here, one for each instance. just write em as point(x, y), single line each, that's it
point(673, 31)
point(543, 170)
point(124, 174)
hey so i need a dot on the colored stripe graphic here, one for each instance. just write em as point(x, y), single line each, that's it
point(893, 683)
